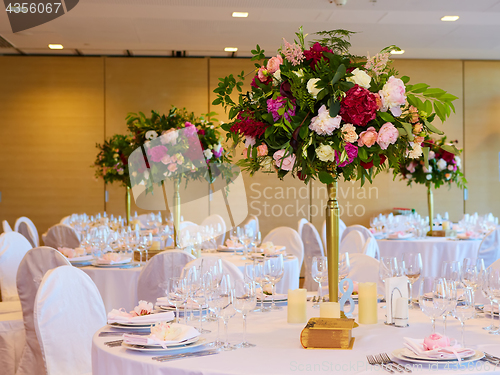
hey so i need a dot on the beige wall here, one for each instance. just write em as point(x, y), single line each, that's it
point(54, 110)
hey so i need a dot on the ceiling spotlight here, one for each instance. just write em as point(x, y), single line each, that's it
point(231, 49)
point(339, 2)
point(56, 46)
point(395, 52)
point(240, 14)
point(449, 18)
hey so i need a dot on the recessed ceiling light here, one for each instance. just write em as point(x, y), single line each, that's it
point(394, 52)
point(56, 46)
point(240, 14)
point(231, 49)
point(450, 18)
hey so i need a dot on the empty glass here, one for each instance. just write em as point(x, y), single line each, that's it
point(197, 285)
point(176, 293)
point(227, 311)
point(432, 298)
point(451, 270)
point(464, 308)
point(273, 272)
point(412, 267)
point(344, 266)
point(244, 301)
point(319, 273)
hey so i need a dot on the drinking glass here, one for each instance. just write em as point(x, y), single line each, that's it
point(176, 293)
point(484, 284)
point(319, 272)
point(432, 299)
point(246, 237)
point(450, 271)
point(388, 267)
point(257, 270)
point(412, 267)
point(464, 308)
point(344, 266)
point(256, 241)
point(494, 290)
point(244, 301)
point(197, 286)
point(273, 272)
point(227, 310)
point(470, 274)
point(450, 301)
point(234, 236)
point(214, 298)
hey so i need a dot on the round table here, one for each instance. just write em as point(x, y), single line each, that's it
point(279, 351)
point(12, 340)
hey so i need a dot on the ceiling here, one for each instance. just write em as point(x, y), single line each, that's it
point(205, 27)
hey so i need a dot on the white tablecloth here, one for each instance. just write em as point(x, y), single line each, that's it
point(12, 339)
point(278, 350)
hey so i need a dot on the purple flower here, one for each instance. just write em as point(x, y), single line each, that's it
point(352, 153)
point(190, 129)
point(274, 104)
point(157, 153)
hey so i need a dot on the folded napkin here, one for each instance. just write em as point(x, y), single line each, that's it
point(270, 298)
point(400, 234)
point(163, 301)
point(83, 258)
point(113, 258)
point(449, 352)
point(71, 253)
point(268, 248)
point(121, 316)
point(233, 245)
point(468, 235)
point(163, 334)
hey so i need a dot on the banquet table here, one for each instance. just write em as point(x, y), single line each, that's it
point(12, 340)
point(279, 351)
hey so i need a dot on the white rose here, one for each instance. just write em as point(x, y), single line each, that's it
point(299, 73)
point(151, 134)
point(450, 167)
point(311, 87)
point(267, 164)
point(427, 170)
point(277, 75)
point(458, 161)
point(208, 154)
point(441, 164)
point(409, 176)
point(217, 147)
point(429, 176)
point(432, 155)
point(360, 77)
point(416, 151)
point(325, 153)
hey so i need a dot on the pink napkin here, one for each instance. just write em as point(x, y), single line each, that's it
point(163, 301)
point(163, 335)
point(400, 234)
point(449, 352)
point(121, 316)
point(233, 245)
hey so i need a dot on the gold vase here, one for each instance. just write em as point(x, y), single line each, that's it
point(127, 205)
point(333, 240)
point(177, 213)
point(430, 205)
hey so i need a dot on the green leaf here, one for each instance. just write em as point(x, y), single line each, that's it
point(428, 107)
point(451, 148)
point(425, 152)
point(409, 130)
point(386, 116)
point(303, 132)
point(217, 101)
point(432, 128)
point(254, 152)
point(435, 93)
point(338, 74)
point(440, 110)
point(412, 100)
point(401, 131)
point(326, 177)
point(448, 97)
point(419, 88)
point(334, 109)
point(363, 155)
point(405, 79)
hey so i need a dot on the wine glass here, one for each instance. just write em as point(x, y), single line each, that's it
point(254, 271)
point(176, 293)
point(412, 267)
point(464, 308)
point(273, 272)
point(244, 301)
point(450, 271)
point(494, 291)
point(319, 272)
point(484, 284)
point(256, 240)
point(450, 301)
point(344, 266)
point(197, 286)
point(227, 311)
point(432, 298)
point(246, 237)
point(234, 236)
point(388, 267)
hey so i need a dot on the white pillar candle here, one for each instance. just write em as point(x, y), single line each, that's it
point(446, 225)
point(155, 245)
point(296, 307)
point(401, 312)
point(329, 310)
point(367, 303)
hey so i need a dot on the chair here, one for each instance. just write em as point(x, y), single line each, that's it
point(252, 221)
point(6, 227)
point(33, 267)
point(361, 229)
point(342, 227)
point(371, 248)
point(489, 249)
point(300, 226)
point(227, 267)
point(352, 243)
point(28, 229)
point(285, 236)
point(185, 224)
point(495, 265)
point(159, 269)
point(364, 268)
point(215, 221)
point(65, 220)
point(61, 235)
point(13, 247)
point(312, 247)
point(68, 310)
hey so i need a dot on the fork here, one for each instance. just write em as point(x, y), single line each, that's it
point(373, 362)
point(200, 353)
point(113, 343)
point(381, 361)
point(387, 360)
point(492, 358)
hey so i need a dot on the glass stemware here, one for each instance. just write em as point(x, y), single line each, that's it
point(432, 299)
point(246, 237)
point(464, 308)
point(244, 301)
point(197, 284)
point(273, 272)
point(450, 271)
point(485, 290)
point(176, 293)
point(319, 273)
point(412, 267)
point(227, 311)
point(494, 291)
point(344, 266)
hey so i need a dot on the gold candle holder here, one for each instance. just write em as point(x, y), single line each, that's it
point(430, 205)
point(127, 205)
point(177, 212)
point(333, 240)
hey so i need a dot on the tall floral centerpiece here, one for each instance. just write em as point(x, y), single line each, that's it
point(318, 112)
point(440, 167)
point(111, 164)
point(178, 146)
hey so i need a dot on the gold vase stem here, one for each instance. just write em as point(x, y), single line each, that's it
point(177, 212)
point(333, 240)
point(127, 205)
point(430, 205)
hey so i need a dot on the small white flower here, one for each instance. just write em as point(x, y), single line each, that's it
point(151, 134)
point(311, 87)
point(299, 73)
point(441, 165)
point(429, 176)
point(217, 147)
point(146, 175)
point(267, 164)
point(360, 77)
point(325, 153)
point(208, 154)
point(409, 176)
point(450, 167)
point(432, 155)
point(277, 75)
point(143, 308)
point(458, 161)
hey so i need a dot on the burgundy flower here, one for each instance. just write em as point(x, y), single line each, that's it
point(315, 54)
point(301, 176)
point(448, 156)
point(201, 131)
point(248, 126)
point(124, 159)
point(286, 91)
point(352, 152)
point(253, 84)
point(368, 165)
point(359, 106)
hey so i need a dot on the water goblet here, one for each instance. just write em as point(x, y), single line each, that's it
point(432, 299)
point(464, 309)
point(319, 273)
point(273, 272)
point(244, 301)
point(176, 293)
point(227, 310)
point(412, 267)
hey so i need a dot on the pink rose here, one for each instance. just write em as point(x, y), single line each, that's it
point(262, 74)
point(436, 341)
point(368, 137)
point(249, 141)
point(411, 167)
point(387, 135)
point(274, 64)
point(157, 153)
point(284, 163)
point(323, 124)
point(393, 96)
point(262, 150)
point(172, 167)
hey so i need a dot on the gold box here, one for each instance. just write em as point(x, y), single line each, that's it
point(328, 333)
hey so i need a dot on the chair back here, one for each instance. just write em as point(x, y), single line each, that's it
point(312, 247)
point(13, 247)
point(342, 228)
point(159, 269)
point(489, 249)
point(371, 248)
point(252, 221)
point(361, 229)
point(33, 267)
point(352, 243)
point(28, 229)
point(185, 224)
point(288, 237)
point(6, 226)
point(216, 221)
point(364, 268)
point(68, 310)
point(61, 235)
point(300, 225)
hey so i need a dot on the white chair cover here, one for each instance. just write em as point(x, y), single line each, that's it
point(352, 243)
point(300, 226)
point(285, 236)
point(361, 229)
point(495, 265)
point(33, 267)
point(312, 247)
point(13, 247)
point(371, 248)
point(227, 267)
point(159, 269)
point(214, 221)
point(252, 221)
point(61, 235)
point(65, 220)
point(489, 249)
point(342, 227)
point(365, 269)
point(28, 230)
point(185, 224)
point(68, 310)
point(6, 227)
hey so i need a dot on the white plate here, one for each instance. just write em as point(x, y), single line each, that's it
point(400, 238)
point(136, 327)
point(115, 265)
point(409, 354)
point(143, 348)
point(398, 353)
point(225, 249)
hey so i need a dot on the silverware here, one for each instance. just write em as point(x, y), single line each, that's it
point(372, 361)
point(492, 359)
point(387, 360)
point(109, 333)
point(381, 361)
point(113, 343)
point(314, 299)
point(172, 357)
